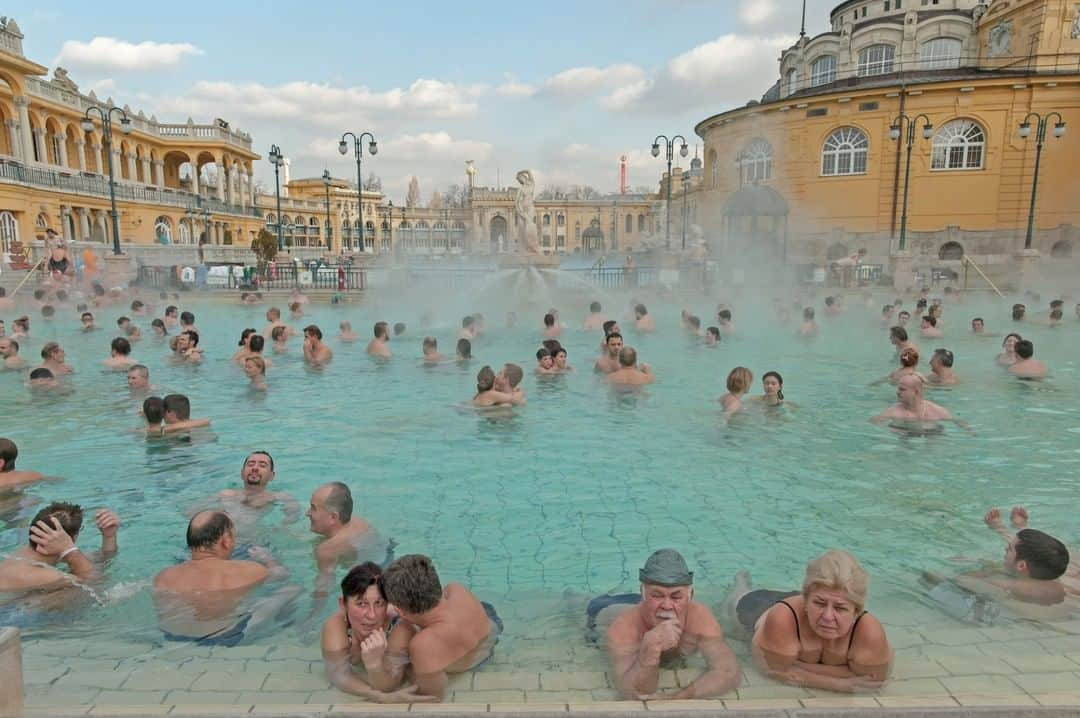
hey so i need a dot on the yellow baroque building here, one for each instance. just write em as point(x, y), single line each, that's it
point(815, 171)
point(175, 182)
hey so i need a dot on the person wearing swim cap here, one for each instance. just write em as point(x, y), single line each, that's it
point(667, 624)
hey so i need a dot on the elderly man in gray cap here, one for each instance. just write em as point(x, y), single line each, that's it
point(667, 625)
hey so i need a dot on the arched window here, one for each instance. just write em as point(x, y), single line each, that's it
point(755, 162)
point(42, 222)
point(312, 222)
point(385, 226)
point(9, 231)
point(163, 230)
point(356, 224)
point(641, 223)
point(561, 221)
point(792, 83)
point(547, 220)
point(629, 223)
point(941, 53)
point(823, 70)
point(959, 145)
point(184, 231)
point(876, 60)
point(951, 250)
point(369, 226)
point(270, 219)
point(844, 153)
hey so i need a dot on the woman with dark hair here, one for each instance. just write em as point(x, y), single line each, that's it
point(363, 633)
point(1008, 357)
point(245, 348)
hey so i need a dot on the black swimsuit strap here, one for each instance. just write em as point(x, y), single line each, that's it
point(794, 613)
point(853, 627)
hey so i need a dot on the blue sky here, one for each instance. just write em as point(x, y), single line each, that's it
point(563, 88)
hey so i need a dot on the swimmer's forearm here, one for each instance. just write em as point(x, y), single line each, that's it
point(343, 678)
point(799, 676)
point(641, 678)
point(383, 677)
point(723, 674)
point(823, 670)
point(81, 566)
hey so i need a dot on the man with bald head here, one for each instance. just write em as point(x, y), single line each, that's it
point(629, 373)
point(331, 515)
point(206, 599)
point(911, 405)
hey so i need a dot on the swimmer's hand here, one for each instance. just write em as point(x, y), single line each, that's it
point(409, 694)
point(108, 523)
point(863, 684)
point(50, 540)
point(372, 650)
point(993, 519)
point(261, 554)
point(663, 637)
point(1019, 517)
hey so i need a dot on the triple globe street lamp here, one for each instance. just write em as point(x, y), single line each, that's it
point(87, 125)
point(277, 159)
point(683, 151)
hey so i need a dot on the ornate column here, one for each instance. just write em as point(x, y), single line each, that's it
point(39, 143)
point(118, 174)
point(147, 178)
point(133, 172)
point(159, 174)
point(221, 179)
point(194, 179)
point(84, 223)
point(251, 187)
point(241, 184)
point(97, 158)
point(62, 160)
point(80, 150)
point(23, 103)
point(13, 138)
point(65, 222)
point(99, 220)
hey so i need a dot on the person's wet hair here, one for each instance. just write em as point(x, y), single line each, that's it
point(39, 294)
point(399, 329)
point(886, 309)
point(1057, 314)
point(187, 318)
point(256, 343)
point(829, 301)
point(179, 405)
point(739, 380)
point(640, 310)
point(945, 357)
point(979, 320)
point(273, 313)
point(1046, 557)
point(898, 333)
point(99, 291)
point(464, 348)
point(360, 578)
point(930, 319)
point(1010, 334)
point(70, 517)
point(549, 320)
point(909, 357)
point(141, 368)
point(715, 331)
point(41, 373)
point(627, 357)
point(261, 453)
point(411, 584)
point(294, 307)
point(1057, 303)
point(137, 306)
point(485, 379)
point(594, 307)
point(48, 311)
point(314, 331)
point(49, 349)
point(467, 321)
point(430, 343)
point(8, 453)
point(1025, 349)
point(608, 326)
point(724, 315)
point(171, 310)
point(694, 322)
point(206, 530)
point(339, 500)
point(1018, 311)
point(808, 314)
point(121, 346)
point(552, 345)
point(193, 337)
point(277, 333)
point(244, 335)
point(259, 363)
point(123, 321)
point(86, 315)
point(542, 353)
point(613, 335)
point(153, 408)
point(904, 315)
point(380, 329)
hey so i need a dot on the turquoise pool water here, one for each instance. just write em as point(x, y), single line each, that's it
point(568, 497)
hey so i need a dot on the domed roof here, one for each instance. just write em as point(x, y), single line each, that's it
point(756, 201)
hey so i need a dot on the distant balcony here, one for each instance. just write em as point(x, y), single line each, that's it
point(95, 185)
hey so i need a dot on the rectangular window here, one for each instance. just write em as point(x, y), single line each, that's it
point(886, 5)
point(817, 112)
point(867, 106)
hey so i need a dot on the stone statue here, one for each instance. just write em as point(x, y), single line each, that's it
point(525, 211)
point(999, 41)
point(1076, 24)
point(61, 80)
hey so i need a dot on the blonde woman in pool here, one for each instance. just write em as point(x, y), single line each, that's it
point(255, 368)
point(738, 383)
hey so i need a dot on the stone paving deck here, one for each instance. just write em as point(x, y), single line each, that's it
point(1014, 669)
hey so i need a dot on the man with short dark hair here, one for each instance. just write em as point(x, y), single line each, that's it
point(642, 321)
point(171, 316)
point(87, 320)
point(178, 414)
point(10, 477)
point(455, 632)
point(595, 320)
point(254, 499)
point(663, 626)
point(1026, 367)
point(187, 322)
point(316, 352)
point(187, 346)
point(468, 328)
point(119, 355)
point(430, 349)
point(204, 600)
point(508, 381)
point(380, 345)
point(551, 327)
point(52, 355)
point(609, 362)
point(9, 352)
point(53, 533)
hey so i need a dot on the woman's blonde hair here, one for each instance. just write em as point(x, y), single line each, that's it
point(739, 380)
point(837, 570)
point(259, 362)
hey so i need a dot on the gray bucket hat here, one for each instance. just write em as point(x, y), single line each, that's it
point(666, 567)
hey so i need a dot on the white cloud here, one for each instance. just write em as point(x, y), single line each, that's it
point(726, 71)
point(580, 82)
point(427, 146)
point(109, 53)
point(512, 88)
point(757, 12)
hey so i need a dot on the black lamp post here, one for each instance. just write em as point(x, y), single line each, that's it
point(685, 216)
point(894, 133)
point(277, 160)
point(1040, 138)
point(683, 151)
point(358, 148)
point(87, 125)
point(329, 231)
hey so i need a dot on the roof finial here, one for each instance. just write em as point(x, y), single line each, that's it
point(802, 30)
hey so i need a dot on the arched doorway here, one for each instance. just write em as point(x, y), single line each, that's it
point(755, 226)
point(500, 240)
point(592, 239)
point(1062, 250)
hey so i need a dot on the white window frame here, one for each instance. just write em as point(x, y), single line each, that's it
point(818, 76)
point(791, 83)
point(959, 145)
point(845, 152)
point(755, 162)
point(941, 53)
point(9, 230)
point(165, 223)
point(879, 59)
